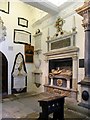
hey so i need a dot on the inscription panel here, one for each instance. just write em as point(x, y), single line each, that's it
point(60, 44)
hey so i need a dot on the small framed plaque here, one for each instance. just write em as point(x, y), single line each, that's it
point(22, 22)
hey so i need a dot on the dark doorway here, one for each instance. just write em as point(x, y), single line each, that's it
point(4, 73)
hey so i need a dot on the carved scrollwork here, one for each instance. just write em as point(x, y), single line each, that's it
point(86, 19)
point(59, 24)
point(84, 11)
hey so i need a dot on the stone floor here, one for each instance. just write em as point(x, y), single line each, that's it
point(26, 106)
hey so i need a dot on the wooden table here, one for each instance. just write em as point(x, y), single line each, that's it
point(53, 105)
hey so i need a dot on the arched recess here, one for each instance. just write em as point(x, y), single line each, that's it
point(19, 75)
point(4, 73)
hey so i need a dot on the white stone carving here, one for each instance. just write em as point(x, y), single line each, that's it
point(19, 73)
point(19, 70)
point(2, 30)
point(37, 62)
point(37, 73)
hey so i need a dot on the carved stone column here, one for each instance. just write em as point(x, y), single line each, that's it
point(75, 73)
point(84, 11)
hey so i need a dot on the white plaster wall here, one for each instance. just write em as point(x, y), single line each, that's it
point(17, 9)
point(37, 14)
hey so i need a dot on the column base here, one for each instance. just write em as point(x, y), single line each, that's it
point(85, 94)
point(85, 81)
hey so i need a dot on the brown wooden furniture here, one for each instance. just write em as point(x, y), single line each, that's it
point(53, 105)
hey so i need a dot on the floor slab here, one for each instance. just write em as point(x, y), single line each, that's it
point(27, 106)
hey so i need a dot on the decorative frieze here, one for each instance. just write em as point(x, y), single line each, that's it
point(61, 91)
point(62, 41)
point(62, 53)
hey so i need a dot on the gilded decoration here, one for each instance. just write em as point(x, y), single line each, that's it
point(59, 24)
point(59, 82)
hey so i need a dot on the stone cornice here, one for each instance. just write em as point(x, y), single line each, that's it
point(62, 51)
point(83, 8)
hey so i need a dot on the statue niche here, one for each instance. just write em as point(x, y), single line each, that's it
point(19, 75)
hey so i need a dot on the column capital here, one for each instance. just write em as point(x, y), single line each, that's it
point(46, 59)
point(84, 11)
point(86, 19)
point(74, 57)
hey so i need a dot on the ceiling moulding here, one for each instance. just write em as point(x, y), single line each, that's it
point(71, 8)
point(64, 5)
point(44, 6)
point(38, 22)
point(69, 3)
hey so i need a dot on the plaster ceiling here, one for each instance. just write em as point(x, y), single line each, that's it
point(51, 6)
point(47, 6)
point(57, 2)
